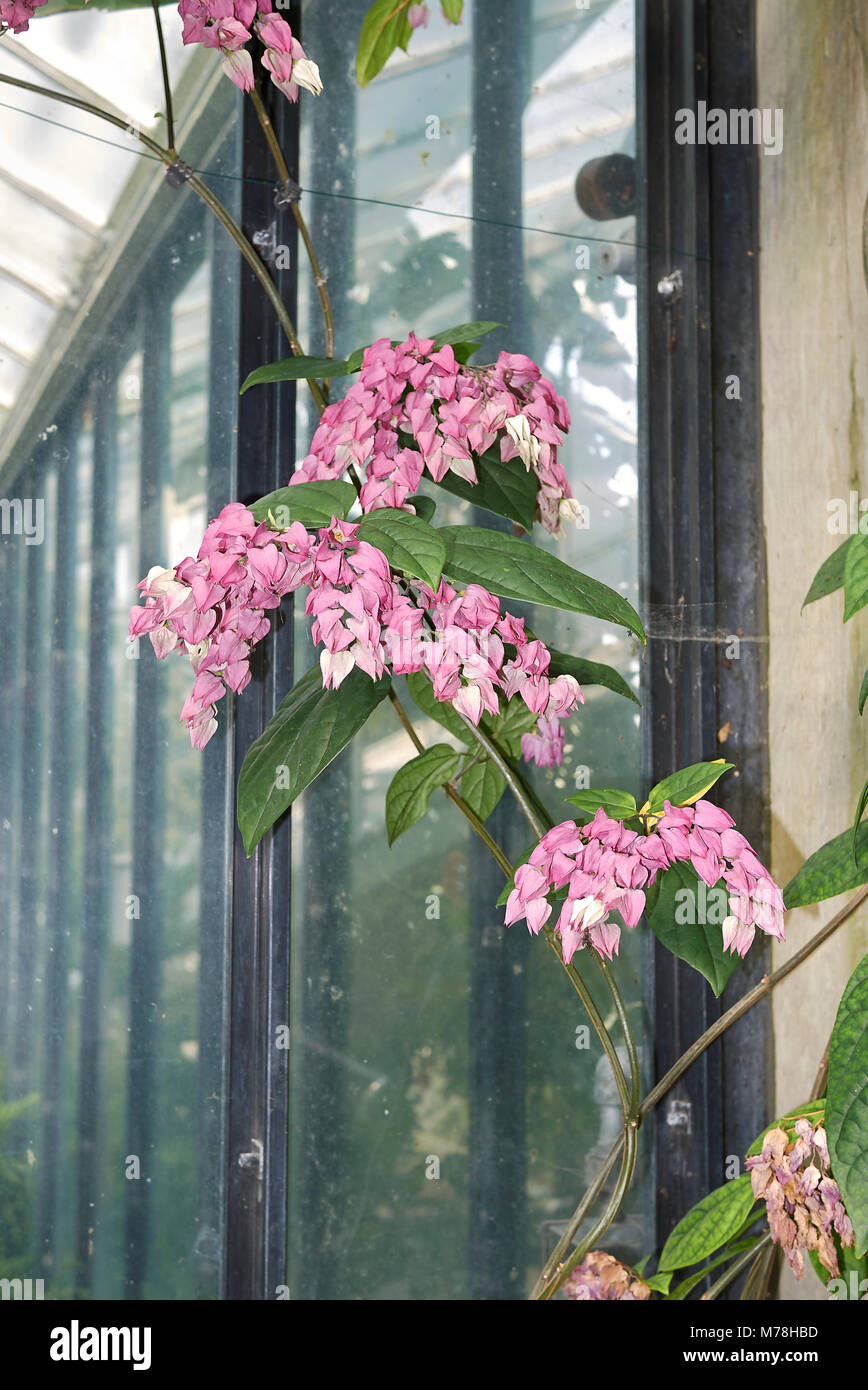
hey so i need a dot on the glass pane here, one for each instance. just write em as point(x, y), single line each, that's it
point(115, 832)
point(444, 1106)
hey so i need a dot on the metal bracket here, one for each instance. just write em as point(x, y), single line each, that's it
point(254, 1158)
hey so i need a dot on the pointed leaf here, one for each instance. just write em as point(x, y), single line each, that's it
point(482, 786)
point(856, 576)
point(452, 10)
point(409, 544)
point(863, 693)
point(464, 333)
point(506, 489)
point(616, 803)
point(309, 729)
point(295, 369)
point(384, 28)
point(517, 569)
point(830, 575)
point(687, 1285)
point(410, 788)
point(590, 673)
point(708, 1225)
point(833, 868)
point(860, 811)
point(847, 1102)
point(425, 506)
point(313, 504)
point(698, 943)
point(686, 786)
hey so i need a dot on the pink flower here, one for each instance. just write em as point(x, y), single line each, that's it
point(453, 413)
point(803, 1202)
point(17, 14)
point(418, 16)
point(226, 25)
point(602, 1277)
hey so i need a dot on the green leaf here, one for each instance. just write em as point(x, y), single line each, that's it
point(295, 369)
point(847, 1102)
point(464, 333)
point(659, 1283)
point(482, 786)
point(830, 575)
point(698, 943)
point(680, 1292)
point(506, 489)
point(860, 811)
point(708, 1225)
point(509, 726)
point(590, 673)
point(856, 576)
point(313, 504)
point(385, 28)
point(425, 506)
point(686, 786)
point(309, 729)
point(812, 1110)
point(452, 9)
point(863, 693)
point(422, 692)
point(617, 804)
point(407, 541)
point(833, 868)
point(410, 788)
point(517, 569)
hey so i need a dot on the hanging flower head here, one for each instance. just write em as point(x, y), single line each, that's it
point(803, 1201)
point(17, 14)
point(228, 25)
point(601, 1276)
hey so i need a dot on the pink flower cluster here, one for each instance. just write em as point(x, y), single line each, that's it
point(606, 868)
point(214, 607)
point(17, 14)
point(228, 25)
point(452, 412)
point(602, 1277)
point(803, 1202)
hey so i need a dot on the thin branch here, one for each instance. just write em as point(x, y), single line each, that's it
point(735, 1269)
point(167, 89)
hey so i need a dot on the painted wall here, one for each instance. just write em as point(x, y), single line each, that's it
point(812, 59)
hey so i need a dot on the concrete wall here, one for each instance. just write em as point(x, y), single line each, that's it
point(812, 58)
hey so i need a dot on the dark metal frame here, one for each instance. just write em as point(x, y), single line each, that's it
point(704, 547)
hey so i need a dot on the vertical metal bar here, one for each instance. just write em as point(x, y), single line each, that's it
point(147, 920)
point(695, 551)
point(257, 1119)
point(62, 717)
point(11, 705)
point(319, 1145)
point(498, 1208)
point(98, 816)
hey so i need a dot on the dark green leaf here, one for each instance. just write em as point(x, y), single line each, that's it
point(425, 506)
point(409, 544)
point(509, 726)
point(590, 673)
point(617, 804)
point(831, 869)
point(863, 693)
point(659, 1283)
point(852, 1273)
point(708, 1225)
point(410, 788)
point(680, 1292)
point(856, 576)
point(830, 575)
point(422, 692)
point(860, 811)
point(463, 333)
point(295, 369)
point(384, 28)
point(847, 1102)
point(699, 943)
point(309, 729)
point(462, 352)
point(517, 569)
point(482, 786)
point(354, 361)
point(686, 786)
point(506, 489)
point(313, 504)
